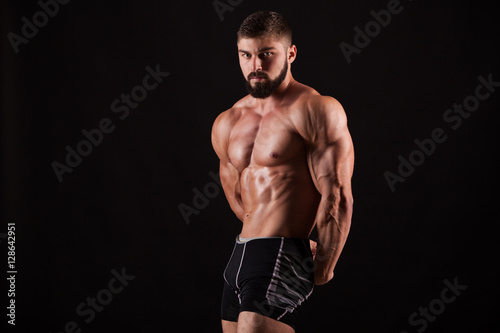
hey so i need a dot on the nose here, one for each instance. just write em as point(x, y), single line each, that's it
point(256, 64)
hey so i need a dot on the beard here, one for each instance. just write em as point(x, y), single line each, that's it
point(265, 89)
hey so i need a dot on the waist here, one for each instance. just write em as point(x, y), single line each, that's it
point(277, 224)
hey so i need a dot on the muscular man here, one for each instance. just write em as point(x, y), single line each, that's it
point(286, 161)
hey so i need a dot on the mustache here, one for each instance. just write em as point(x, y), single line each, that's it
point(257, 75)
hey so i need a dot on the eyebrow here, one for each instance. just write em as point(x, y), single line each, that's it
point(264, 49)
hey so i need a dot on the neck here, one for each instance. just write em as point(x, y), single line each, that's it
point(278, 96)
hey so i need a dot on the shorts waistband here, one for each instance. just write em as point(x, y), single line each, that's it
point(241, 240)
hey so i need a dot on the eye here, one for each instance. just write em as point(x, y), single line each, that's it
point(245, 55)
point(267, 54)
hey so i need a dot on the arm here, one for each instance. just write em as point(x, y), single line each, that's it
point(331, 161)
point(229, 175)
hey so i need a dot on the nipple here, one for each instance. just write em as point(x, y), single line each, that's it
point(273, 155)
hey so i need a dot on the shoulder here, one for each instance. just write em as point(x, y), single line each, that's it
point(226, 119)
point(314, 104)
point(221, 128)
point(324, 108)
point(319, 117)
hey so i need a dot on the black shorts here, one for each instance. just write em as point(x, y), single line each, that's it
point(270, 276)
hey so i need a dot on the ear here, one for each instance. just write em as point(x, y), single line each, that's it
point(292, 53)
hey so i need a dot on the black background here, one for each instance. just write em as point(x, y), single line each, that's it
point(120, 207)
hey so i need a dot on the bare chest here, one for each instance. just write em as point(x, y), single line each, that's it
point(264, 141)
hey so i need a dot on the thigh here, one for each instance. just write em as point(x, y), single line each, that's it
point(229, 326)
point(251, 322)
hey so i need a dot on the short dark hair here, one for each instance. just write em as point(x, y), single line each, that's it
point(265, 24)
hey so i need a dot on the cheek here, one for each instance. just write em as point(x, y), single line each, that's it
point(244, 68)
point(276, 65)
point(271, 70)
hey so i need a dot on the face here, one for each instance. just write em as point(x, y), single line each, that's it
point(264, 63)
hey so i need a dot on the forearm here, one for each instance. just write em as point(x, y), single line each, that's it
point(230, 180)
point(333, 224)
point(231, 187)
point(236, 206)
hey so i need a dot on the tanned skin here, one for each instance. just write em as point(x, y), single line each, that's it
point(286, 164)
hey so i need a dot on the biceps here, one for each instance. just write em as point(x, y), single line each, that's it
point(332, 166)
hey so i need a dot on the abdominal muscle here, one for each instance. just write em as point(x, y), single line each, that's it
point(278, 201)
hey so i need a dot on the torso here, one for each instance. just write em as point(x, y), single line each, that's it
point(277, 192)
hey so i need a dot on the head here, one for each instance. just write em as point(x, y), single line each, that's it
point(265, 52)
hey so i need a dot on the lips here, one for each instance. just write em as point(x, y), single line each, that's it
point(254, 76)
